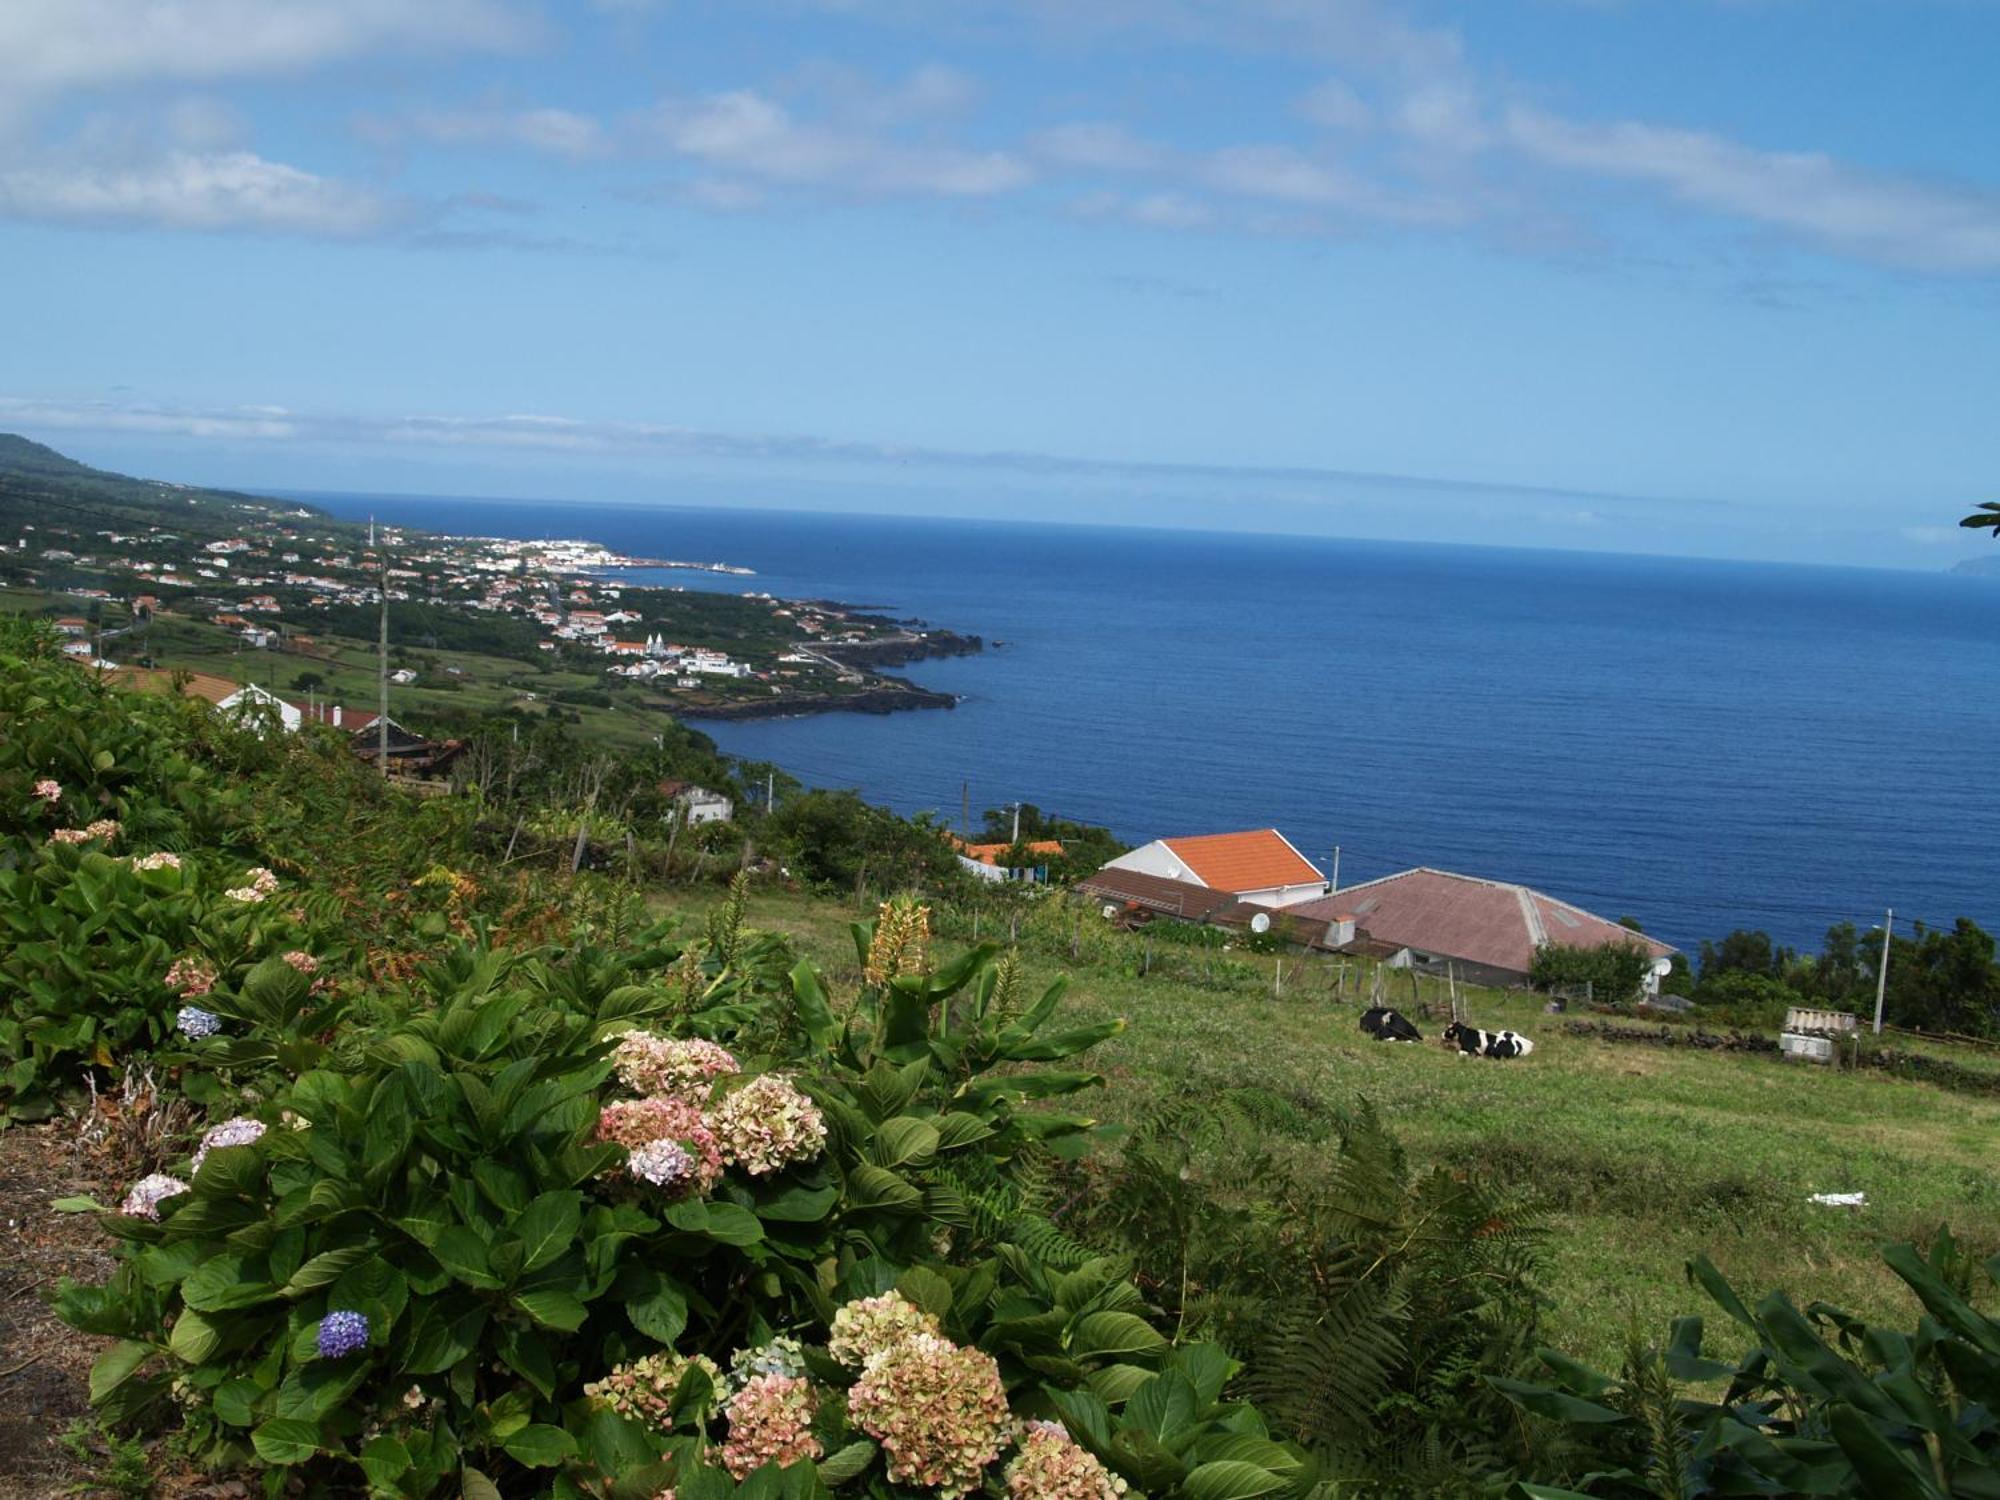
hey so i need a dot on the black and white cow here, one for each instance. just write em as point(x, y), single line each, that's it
point(1386, 1025)
point(1476, 1043)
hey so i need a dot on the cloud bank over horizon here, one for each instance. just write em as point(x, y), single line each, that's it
point(1741, 258)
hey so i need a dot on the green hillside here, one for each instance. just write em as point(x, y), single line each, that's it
point(37, 482)
point(365, 1144)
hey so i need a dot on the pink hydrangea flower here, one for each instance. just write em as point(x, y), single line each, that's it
point(190, 976)
point(869, 1326)
point(770, 1421)
point(685, 1067)
point(261, 882)
point(304, 962)
point(638, 1123)
point(50, 791)
point(1053, 1466)
point(644, 1389)
point(768, 1124)
point(158, 861)
point(939, 1411)
point(69, 836)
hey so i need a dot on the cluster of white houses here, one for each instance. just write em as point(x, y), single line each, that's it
point(1483, 931)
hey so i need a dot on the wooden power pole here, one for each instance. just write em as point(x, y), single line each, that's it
point(382, 654)
point(1882, 969)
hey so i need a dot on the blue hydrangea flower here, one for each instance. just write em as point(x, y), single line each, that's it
point(197, 1023)
point(342, 1334)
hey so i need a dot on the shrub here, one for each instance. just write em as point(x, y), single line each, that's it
point(1822, 1404)
point(1614, 971)
point(427, 1270)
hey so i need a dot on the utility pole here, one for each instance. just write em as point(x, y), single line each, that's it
point(770, 792)
point(1882, 969)
point(1017, 822)
point(965, 809)
point(382, 652)
point(1335, 886)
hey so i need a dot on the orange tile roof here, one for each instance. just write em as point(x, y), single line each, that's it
point(989, 854)
point(1252, 861)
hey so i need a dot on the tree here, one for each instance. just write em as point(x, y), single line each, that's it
point(308, 682)
point(1843, 972)
point(1945, 981)
point(1743, 950)
point(1986, 518)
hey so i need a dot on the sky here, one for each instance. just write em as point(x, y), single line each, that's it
point(1710, 277)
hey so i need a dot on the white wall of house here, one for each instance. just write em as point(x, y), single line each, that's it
point(253, 698)
point(1155, 859)
point(706, 807)
point(1287, 895)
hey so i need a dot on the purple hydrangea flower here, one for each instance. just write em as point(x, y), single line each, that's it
point(342, 1334)
point(237, 1132)
point(663, 1163)
point(143, 1202)
point(196, 1023)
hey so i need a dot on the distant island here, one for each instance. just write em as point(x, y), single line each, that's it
point(148, 573)
point(1977, 567)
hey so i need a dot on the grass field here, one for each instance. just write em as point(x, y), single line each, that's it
point(1638, 1157)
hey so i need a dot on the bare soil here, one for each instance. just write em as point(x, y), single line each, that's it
point(44, 1364)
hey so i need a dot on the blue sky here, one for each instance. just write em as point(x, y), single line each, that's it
point(1694, 276)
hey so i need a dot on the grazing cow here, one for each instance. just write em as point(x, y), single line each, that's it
point(1473, 1042)
point(1386, 1025)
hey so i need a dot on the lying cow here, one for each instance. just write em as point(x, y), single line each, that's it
point(1386, 1025)
point(1476, 1043)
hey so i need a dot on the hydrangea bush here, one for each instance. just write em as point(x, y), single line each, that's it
point(439, 1263)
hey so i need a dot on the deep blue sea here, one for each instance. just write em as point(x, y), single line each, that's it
point(1703, 745)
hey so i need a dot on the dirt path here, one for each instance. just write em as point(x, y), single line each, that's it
point(44, 1365)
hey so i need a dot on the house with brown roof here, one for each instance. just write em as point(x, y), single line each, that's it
point(1487, 931)
point(1259, 866)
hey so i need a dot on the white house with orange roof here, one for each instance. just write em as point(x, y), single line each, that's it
point(1260, 866)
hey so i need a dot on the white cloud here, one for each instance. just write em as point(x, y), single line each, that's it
point(48, 45)
point(751, 135)
point(557, 132)
point(542, 432)
point(1099, 146)
point(1896, 221)
point(191, 190)
point(1335, 104)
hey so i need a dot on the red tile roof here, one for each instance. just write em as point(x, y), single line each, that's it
point(1253, 861)
point(989, 854)
point(1491, 922)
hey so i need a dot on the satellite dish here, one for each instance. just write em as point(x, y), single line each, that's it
point(1110, 911)
point(1663, 967)
point(1261, 922)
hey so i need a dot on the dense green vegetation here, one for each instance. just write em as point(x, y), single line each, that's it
point(454, 1231)
point(39, 484)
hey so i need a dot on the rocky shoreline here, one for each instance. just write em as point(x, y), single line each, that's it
point(899, 650)
point(874, 700)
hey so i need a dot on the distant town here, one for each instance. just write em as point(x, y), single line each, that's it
point(242, 576)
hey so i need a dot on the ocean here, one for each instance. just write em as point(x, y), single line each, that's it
point(1701, 745)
